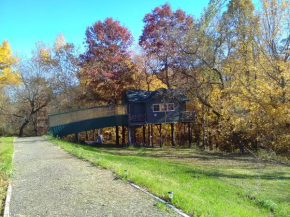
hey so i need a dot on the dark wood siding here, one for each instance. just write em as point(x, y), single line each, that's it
point(137, 108)
point(162, 116)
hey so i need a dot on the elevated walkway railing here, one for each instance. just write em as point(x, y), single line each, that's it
point(86, 114)
point(187, 116)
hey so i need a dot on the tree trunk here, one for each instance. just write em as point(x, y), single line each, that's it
point(210, 142)
point(283, 85)
point(189, 136)
point(34, 121)
point(203, 127)
point(160, 134)
point(22, 128)
point(167, 75)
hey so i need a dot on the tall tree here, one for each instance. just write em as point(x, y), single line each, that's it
point(62, 62)
point(33, 94)
point(162, 26)
point(275, 42)
point(106, 66)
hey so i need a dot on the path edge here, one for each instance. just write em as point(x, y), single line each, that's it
point(160, 200)
point(9, 190)
point(7, 201)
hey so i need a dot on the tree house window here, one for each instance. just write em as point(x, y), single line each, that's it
point(156, 108)
point(170, 107)
point(163, 107)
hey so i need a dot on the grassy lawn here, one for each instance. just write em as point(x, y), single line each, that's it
point(204, 184)
point(6, 151)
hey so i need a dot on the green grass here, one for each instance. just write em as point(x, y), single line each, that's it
point(163, 207)
point(6, 151)
point(204, 183)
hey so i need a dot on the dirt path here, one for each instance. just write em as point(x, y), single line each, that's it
point(50, 182)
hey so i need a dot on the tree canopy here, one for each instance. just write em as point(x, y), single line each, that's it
point(106, 64)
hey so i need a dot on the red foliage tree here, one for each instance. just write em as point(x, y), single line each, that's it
point(106, 63)
point(162, 28)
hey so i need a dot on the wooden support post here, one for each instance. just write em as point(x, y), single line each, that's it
point(129, 136)
point(144, 139)
point(94, 135)
point(172, 135)
point(189, 136)
point(123, 135)
point(149, 136)
point(134, 136)
point(76, 137)
point(87, 136)
point(161, 141)
point(117, 135)
point(160, 134)
point(152, 134)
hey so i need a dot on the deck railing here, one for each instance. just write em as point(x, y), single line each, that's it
point(187, 116)
point(138, 117)
point(86, 114)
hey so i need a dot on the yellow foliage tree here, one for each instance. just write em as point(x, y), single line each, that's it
point(7, 61)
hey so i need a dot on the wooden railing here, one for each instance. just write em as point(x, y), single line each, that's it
point(86, 114)
point(138, 117)
point(187, 116)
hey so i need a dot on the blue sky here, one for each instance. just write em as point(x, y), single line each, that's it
point(24, 22)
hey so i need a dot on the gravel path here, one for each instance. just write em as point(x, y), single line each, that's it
point(50, 182)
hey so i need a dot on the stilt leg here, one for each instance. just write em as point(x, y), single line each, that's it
point(87, 136)
point(117, 135)
point(123, 135)
point(144, 139)
point(172, 135)
point(94, 135)
point(152, 134)
point(149, 136)
point(160, 134)
point(129, 136)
